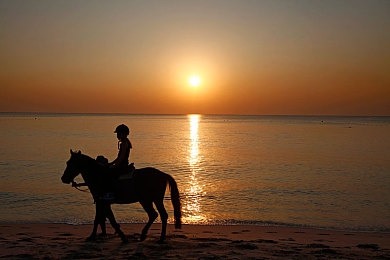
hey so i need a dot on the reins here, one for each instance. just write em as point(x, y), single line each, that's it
point(77, 185)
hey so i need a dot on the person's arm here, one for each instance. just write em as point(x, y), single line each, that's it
point(122, 155)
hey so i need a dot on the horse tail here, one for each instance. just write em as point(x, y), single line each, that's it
point(175, 198)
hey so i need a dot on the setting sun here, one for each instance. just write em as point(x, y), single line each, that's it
point(194, 81)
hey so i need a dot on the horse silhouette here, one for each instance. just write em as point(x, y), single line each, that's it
point(147, 186)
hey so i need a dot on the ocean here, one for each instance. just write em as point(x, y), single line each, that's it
point(304, 171)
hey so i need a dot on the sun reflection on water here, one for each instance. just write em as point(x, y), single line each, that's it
point(194, 193)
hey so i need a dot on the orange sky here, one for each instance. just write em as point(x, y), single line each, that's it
point(253, 57)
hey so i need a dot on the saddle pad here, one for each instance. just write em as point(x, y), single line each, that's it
point(126, 176)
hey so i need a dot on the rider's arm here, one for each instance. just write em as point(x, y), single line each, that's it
point(122, 155)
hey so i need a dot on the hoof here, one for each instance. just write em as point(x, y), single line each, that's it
point(143, 237)
point(122, 236)
point(125, 240)
point(161, 241)
point(91, 238)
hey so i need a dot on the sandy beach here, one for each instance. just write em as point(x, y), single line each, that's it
point(61, 241)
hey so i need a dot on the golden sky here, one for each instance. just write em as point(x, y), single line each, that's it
point(253, 57)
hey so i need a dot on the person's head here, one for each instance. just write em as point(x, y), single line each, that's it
point(122, 131)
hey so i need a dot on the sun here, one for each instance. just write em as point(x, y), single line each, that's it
point(194, 81)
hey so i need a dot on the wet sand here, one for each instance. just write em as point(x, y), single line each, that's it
point(61, 241)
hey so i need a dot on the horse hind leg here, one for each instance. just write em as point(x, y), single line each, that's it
point(164, 218)
point(152, 214)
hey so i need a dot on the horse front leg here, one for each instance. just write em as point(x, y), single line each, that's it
point(152, 214)
point(99, 217)
point(114, 224)
point(103, 227)
point(92, 237)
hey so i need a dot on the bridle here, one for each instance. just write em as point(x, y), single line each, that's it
point(77, 185)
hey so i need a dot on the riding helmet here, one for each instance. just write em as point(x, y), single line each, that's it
point(122, 129)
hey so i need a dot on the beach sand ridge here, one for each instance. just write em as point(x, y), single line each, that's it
point(61, 241)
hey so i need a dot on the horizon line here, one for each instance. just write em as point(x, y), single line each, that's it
point(181, 114)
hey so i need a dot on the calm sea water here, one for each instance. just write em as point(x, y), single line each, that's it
point(328, 172)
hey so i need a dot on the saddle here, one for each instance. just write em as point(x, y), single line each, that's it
point(114, 185)
point(129, 174)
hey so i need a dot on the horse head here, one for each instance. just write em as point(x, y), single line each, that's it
point(73, 167)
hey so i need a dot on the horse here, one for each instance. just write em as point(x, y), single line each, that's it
point(147, 186)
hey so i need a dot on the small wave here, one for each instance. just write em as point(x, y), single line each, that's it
point(226, 222)
point(293, 225)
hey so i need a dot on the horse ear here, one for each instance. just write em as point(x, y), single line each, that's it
point(71, 152)
point(79, 152)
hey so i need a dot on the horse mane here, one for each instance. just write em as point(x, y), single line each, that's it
point(87, 159)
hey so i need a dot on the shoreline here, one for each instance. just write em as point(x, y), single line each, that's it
point(211, 224)
point(68, 241)
point(219, 223)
